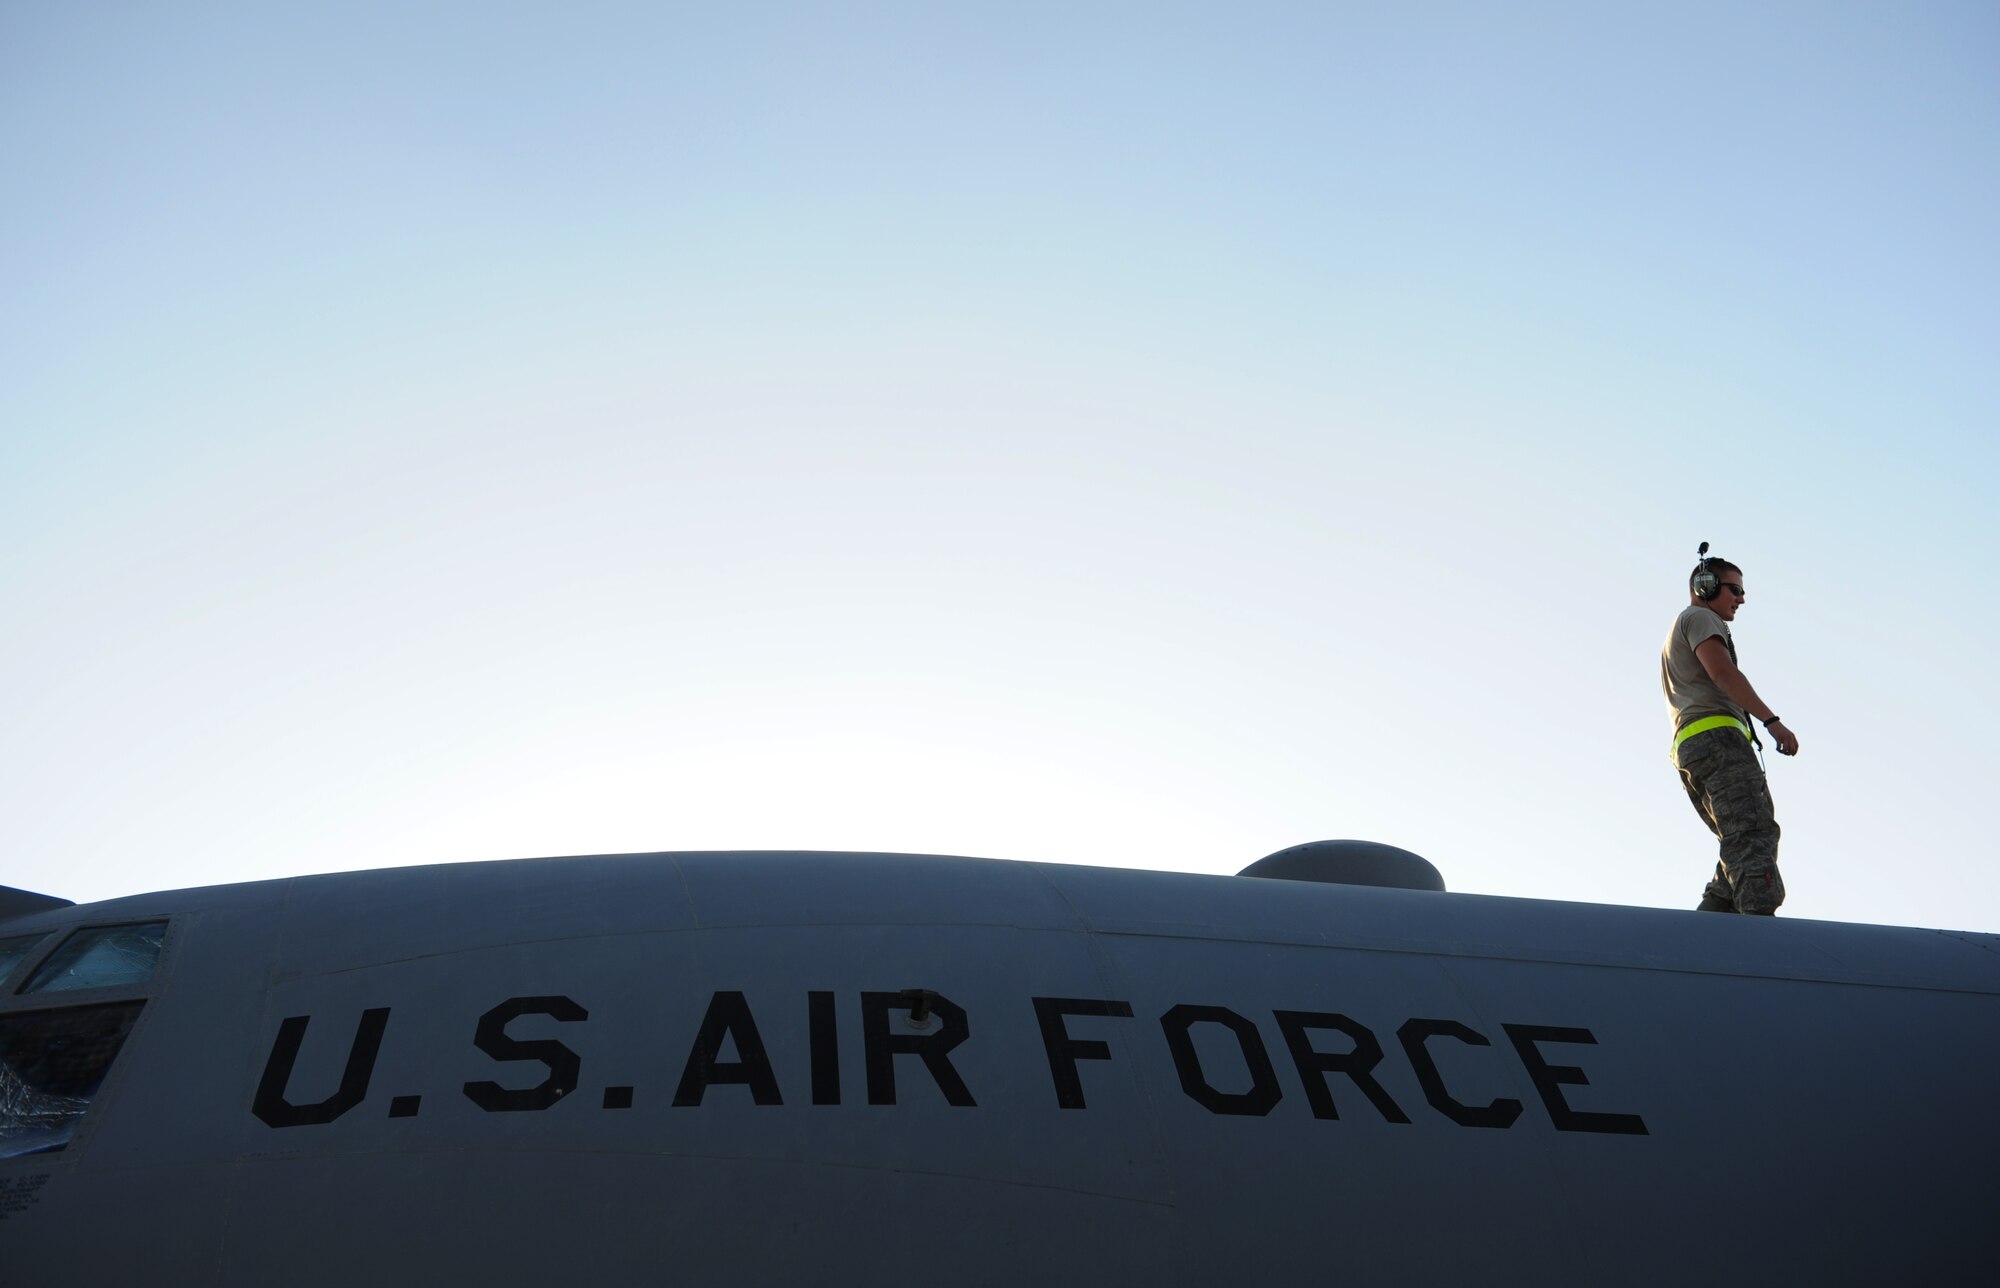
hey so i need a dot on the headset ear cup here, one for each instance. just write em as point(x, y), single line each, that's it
point(1705, 582)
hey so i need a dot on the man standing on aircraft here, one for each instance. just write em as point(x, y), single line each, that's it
point(1711, 701)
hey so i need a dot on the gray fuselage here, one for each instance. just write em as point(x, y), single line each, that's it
point(846, 1068)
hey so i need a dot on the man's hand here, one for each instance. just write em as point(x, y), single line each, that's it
point(1714, 655)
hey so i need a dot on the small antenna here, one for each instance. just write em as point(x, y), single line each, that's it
point(1703, 551)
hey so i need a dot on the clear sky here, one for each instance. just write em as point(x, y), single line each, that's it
point(1143, 434)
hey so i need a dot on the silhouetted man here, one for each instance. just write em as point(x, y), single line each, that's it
point(1711, 702)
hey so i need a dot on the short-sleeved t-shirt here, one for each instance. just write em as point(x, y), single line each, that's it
point(1684, 680)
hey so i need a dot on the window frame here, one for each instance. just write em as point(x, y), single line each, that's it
point(80, 1125)
point(148, 991)
point(13, 998)
point(70, 936)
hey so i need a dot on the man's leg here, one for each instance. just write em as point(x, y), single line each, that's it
point(1726, 785)
point(1716, 896)
point(1736, 799)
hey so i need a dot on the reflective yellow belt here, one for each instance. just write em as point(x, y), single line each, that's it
point(1706, 723)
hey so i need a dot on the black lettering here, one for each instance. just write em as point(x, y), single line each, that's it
point(1357, 1064)
point(1264, 1091)
point(728, 1016)
point(882, 1046)
point(1549, 1080)
point(1063, 1050)
point(563, 1063)
point(1413, 1034)
point(825, 1043)
point(270, 1103)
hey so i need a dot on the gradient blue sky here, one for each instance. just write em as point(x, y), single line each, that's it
point(1138, 434)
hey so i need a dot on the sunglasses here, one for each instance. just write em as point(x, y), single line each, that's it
point(1735, 586)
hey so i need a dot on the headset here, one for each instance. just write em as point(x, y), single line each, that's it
point(1706, 581)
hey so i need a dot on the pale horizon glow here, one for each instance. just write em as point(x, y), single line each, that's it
point(1130, 435)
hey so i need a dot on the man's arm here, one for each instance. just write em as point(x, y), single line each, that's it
point(1714, 655)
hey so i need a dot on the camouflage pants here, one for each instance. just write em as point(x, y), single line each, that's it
point(1727, 787)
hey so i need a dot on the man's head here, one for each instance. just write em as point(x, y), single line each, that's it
point(1728, 596)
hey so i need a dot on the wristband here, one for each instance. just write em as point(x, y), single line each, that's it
point(1773, 720)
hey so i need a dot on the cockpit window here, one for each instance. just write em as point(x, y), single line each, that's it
point(100, 956)
point(12, 951)
point(51, 1064)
